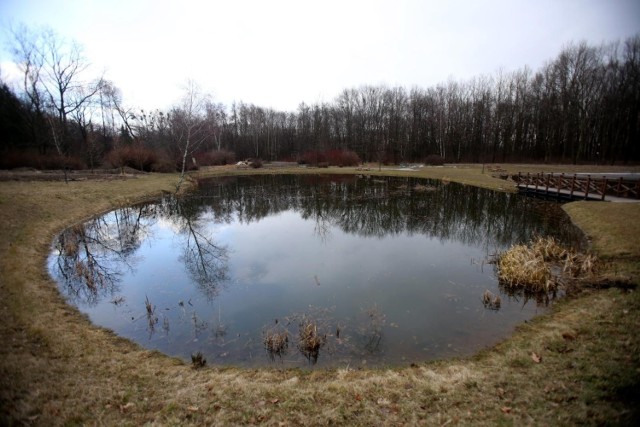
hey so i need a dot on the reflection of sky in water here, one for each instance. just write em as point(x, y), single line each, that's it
point(426, 291)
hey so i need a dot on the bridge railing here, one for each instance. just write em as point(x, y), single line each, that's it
point(575, 186)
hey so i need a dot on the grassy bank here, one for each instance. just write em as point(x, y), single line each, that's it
point(578, 364)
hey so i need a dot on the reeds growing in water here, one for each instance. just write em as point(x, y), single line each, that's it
point(542, 266)
point(276, 342)
point(310, 340)
point(491, 301)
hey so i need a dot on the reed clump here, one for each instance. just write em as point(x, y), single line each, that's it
point(198, 361)
point(491, 301)
point(542, 266)
point(276, 342)
point(310, 341)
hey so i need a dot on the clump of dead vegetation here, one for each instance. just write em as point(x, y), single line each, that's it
point(276, 342)
point(310, 341)
point(491, 301)
point(543, 266)
point(198, 361)
point(152, 318)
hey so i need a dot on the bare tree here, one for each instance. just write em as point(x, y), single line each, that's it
point(215, 118)
point(26, 55)
point(110, 102)
point(188, 127)
point(54, 82)
point(64, 66)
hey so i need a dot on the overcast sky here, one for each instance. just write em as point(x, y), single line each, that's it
point(278, 53)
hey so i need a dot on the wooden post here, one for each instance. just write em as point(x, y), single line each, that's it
point(619, 189)
point(546, 190)
point(604, 188)
point(573, 183)
point(586, 192)
point(560, 184)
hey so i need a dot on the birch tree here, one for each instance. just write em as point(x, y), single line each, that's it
point(188, 126)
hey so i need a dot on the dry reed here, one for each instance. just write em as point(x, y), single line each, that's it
point(530, 266)
point(276, 342)
point(310, 341)
point(198, 361)
point(491, 301)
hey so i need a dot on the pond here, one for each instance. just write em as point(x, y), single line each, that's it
point(297, 270)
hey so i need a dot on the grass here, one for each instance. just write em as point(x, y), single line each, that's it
point(612, 230)
point(531, 267)
point(58, 369)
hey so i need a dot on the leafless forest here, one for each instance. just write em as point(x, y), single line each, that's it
point(581, 107)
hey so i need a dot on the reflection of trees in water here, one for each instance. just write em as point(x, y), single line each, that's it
point(205, 261)
point(91, 256)
point(370, 330)
point(382, 206)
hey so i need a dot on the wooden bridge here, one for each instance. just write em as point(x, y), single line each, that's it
point(608, 187)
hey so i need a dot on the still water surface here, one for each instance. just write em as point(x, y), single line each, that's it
point(388, 271)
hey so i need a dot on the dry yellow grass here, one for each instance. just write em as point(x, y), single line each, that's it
point(529, 267)
point(523, 267)
point(58, 369)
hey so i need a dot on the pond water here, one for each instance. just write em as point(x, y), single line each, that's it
point(304, 269)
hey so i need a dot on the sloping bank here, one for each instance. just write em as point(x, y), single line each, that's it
point(578, 364)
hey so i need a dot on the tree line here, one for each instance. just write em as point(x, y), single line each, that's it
point(581, 107)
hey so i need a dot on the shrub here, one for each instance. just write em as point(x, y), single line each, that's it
point(256, 163)
point(342, 158)
point(330, 158)
point(215, 158)
point(350, 158)
point(189, 164)
point(312, 158)
point(389, 158)
point(136, 157)
point(434, 160)
point(163, 165)
point(62, 162)
point(28, 159)
point(15, 159)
